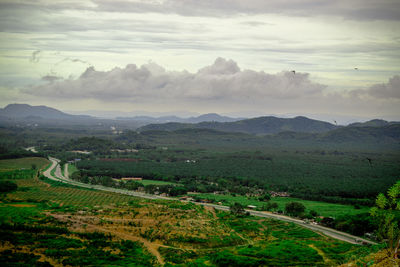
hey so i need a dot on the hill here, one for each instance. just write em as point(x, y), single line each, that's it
point(35, 112)
point(259, 126)
point(372, 123)
point(167, 119)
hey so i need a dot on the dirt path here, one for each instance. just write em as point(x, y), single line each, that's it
point(212, 211)
point(327, 261)
point(66, 173)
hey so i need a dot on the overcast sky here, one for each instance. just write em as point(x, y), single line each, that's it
point(226, 56)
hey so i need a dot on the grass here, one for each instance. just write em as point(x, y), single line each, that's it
point(155, 182)
point(23, 163)
point(322, 208)
point(71, 169)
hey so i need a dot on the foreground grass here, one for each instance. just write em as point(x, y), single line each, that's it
point(49, 223)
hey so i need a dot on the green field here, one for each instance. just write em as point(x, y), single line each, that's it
point(23, 163)
point(71, 169)
point(155, 182)
point(322, 208)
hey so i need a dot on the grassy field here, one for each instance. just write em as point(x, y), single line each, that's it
point(65, 225)
point(322, 208)
point(155, 182)
point(24, 163)
point(71, 169)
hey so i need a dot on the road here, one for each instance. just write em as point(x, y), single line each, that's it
point(316, 228)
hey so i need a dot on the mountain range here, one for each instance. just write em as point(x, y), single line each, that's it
point(266, 125)
point(259, 126)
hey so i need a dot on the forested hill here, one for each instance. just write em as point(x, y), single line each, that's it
point(28, 111)
point(259, 126)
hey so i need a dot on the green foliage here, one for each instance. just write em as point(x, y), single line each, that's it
point(265, 197)
point(294, 208)
point(226, 258)
point(237, 209)
point(386, 212)
point(7, 186)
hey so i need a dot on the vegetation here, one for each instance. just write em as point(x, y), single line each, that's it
point(295, 208)
point(237, 209)
point(333, 176)
point(76, 227)
point(386, 211)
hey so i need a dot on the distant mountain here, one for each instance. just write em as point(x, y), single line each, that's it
point(260, 125)
point(372, 123)
point(389, 132)
point(35, 112)
point(211, 117)
point(166, 119)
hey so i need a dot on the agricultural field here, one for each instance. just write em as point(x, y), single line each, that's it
point(322, 208)
point(331, 176)
point(22, 163)
point(48, 223)
point(155, 182)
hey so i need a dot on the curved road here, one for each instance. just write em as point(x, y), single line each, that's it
point(316, 228)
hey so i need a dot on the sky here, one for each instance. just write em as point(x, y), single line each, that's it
point(337, 59)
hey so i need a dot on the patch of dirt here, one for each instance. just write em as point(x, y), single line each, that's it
point(78, 223)
point(380, 259)
point(21, 249)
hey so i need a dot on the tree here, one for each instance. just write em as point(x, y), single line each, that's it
point(385, 211)
point(237, 209)
point(265, 197)
point(294, 208)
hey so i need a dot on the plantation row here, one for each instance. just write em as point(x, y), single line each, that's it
point(327, 178)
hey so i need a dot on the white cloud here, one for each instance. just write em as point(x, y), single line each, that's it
point(222, 80)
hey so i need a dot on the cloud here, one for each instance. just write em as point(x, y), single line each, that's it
point(352, 10)
point(388, 90)
point(222, 81)
point(51, 78)
point(348, 9)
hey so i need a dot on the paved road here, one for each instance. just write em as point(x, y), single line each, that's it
point(317, 228)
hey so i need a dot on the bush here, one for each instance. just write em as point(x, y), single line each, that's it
point(237, 209)
point(294, 208)
point(7, 186)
